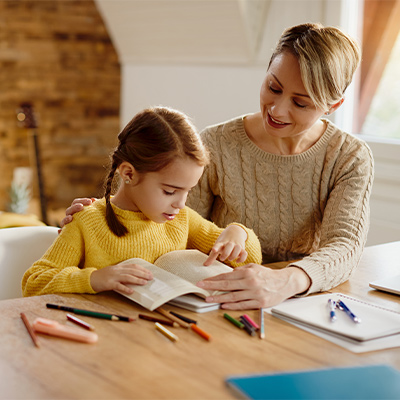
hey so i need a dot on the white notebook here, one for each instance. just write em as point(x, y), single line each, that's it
point(313, 312)
point(389, 284)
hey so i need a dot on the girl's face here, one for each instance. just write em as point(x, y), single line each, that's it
point(287, 110)
point(161, 195)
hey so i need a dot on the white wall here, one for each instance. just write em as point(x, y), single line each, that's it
point(385, 198)
point(208, 94)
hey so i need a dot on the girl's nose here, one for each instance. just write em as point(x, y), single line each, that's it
point(180, 203)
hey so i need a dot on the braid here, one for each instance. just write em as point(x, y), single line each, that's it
point(113, 222)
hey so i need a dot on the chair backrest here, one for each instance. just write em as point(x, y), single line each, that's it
point(19, 249)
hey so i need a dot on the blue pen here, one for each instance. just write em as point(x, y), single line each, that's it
point(347, 310)
point(332, 307)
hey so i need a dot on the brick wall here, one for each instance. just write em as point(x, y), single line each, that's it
point(58, 56)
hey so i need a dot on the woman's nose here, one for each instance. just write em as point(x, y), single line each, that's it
point(279, 108)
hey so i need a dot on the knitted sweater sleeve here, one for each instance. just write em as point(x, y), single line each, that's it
point(58, 270)
point(345, 222)
point(203, 234)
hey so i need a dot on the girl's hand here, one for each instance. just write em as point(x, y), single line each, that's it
point(230, 246)
point(116, 277)
point(254, 286)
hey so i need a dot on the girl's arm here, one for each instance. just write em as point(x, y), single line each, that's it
point(61, 270)
point(235, 239)
point(58, 272)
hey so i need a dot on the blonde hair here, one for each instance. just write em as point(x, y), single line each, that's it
point(327, 57)
point(151, 141)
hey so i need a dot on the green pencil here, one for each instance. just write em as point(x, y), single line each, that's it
point(88, 313)
point(233, 321)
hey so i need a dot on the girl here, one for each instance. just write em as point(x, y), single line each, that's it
point(160, 157)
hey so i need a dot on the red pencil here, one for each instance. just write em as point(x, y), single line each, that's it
point(30, 330)
point(79, 322)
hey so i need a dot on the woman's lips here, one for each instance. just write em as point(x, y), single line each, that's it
point(275, 123)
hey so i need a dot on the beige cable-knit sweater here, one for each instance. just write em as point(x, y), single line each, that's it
point(313, 206)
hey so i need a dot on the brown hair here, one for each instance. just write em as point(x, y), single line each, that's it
point(327, 57)
point(150, 142)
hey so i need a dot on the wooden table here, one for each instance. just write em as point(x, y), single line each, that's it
point(134, 361)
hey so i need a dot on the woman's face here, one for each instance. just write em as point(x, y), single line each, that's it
point(287, 110)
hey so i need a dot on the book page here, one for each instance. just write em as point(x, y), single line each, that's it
point(164, 287)
point(188, 264)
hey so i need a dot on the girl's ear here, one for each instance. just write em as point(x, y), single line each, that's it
point(128, 173)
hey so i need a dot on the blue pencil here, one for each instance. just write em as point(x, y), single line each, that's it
point(262, 333)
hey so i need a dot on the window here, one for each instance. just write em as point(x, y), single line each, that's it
point(383, 118)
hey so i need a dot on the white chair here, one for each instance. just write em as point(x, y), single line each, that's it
point(19, 249)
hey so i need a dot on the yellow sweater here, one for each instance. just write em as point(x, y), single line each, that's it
point(87, 244)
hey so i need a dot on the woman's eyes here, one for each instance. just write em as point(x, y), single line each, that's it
point(169, 193)
point(299, 105)
point(273, 90)
point(279, 91)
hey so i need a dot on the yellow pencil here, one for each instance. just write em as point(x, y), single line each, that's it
point(166, 332)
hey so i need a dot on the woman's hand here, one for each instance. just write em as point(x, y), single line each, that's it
point(76, 206)
point(255, 286)
point(230, 246)
point(116, 277)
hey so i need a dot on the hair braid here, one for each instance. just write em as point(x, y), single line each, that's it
point(112, 220)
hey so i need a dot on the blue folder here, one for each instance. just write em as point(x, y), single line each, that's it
point(360, 382)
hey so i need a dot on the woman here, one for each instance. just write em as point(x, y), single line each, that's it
point(298, 181)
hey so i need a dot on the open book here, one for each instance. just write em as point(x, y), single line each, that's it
point(175, 275)
point(313, 312)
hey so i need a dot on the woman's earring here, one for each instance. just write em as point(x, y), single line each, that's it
point(127, 181)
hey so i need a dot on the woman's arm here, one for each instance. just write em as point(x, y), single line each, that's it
point(343, 235)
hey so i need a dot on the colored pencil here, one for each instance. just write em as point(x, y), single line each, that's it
point(262, 333)
point(79, 322)
point(233, 321)
point(167, 314)
point(159, 320)
point(88, 313)
point(166, 332)
point(247, 326)
point(30, 330)
point(250, 321)
point(200, 332)
point(183, 318)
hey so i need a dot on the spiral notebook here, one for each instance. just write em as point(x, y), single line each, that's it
point(313, 312)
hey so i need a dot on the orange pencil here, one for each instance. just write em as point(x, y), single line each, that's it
point(200, 332)
point(30, 330)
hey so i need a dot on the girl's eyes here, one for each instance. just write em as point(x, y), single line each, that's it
point(169, 193)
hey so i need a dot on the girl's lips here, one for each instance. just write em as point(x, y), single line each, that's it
point(275, 123)
point(169, 217)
